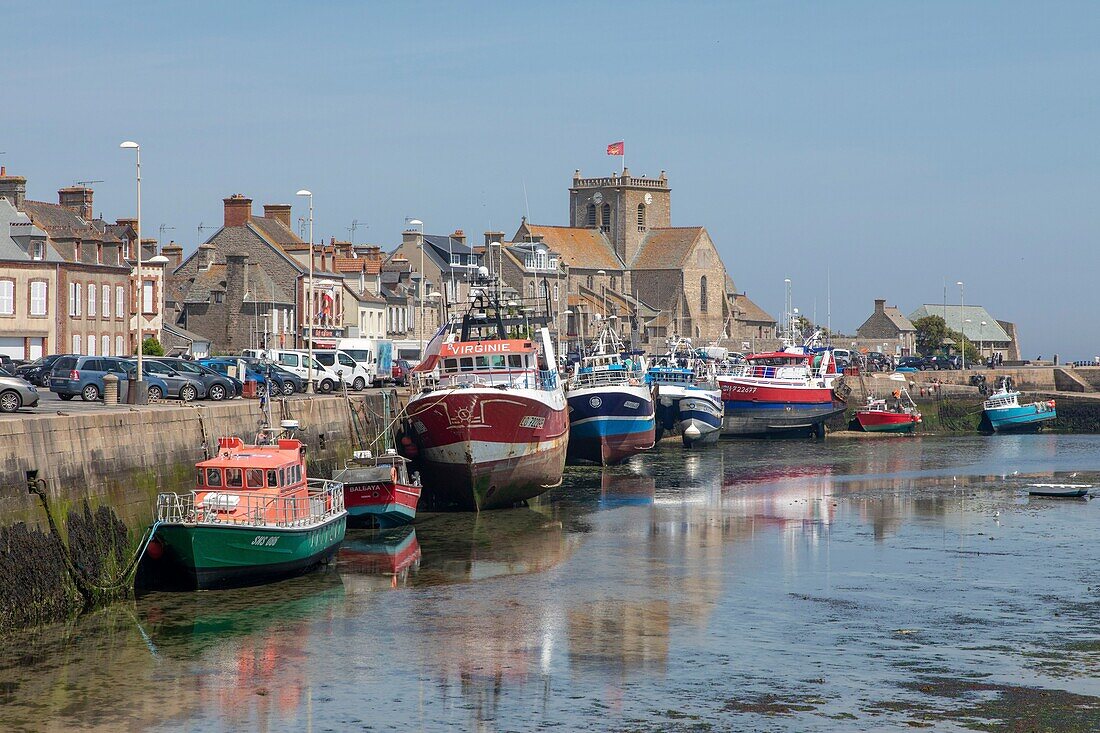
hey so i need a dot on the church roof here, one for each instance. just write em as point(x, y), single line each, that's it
point(749, 311)
point(666, 248)
point(578, 247)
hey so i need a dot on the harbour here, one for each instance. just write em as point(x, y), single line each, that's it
point(771, 585)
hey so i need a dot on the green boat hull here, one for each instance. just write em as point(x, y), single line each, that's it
point(221, 556)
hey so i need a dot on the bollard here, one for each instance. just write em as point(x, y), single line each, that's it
point(110, 389)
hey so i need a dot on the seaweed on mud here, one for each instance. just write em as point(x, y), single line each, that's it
point(34, 585)
point(771, 704)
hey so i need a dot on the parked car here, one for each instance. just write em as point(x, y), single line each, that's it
point(217, 386)
point(911, 364)
point(38, 371)
point(400, 372)
point(356, 375)
point(9, 363)
point(229, 368)
point(878, 361)
point(16, 393)
point(180, 386)
point(298, 362)
point(939, 362)
point(73, 375)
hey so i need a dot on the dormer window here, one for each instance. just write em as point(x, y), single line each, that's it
point(76, 250)
point(38, 250)
point(219, 296)
point(456, 260)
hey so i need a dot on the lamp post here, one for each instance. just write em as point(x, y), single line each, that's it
point(131, 145)
point(981, 338)
point(965, 321)
point(603, 290)
point(962, 312)
point(420, 283)
point(567, 314)
point(309, 297)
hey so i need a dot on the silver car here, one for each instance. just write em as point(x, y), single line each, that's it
point(16, 393)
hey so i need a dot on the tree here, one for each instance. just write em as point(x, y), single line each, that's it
point(963, 344)
point(151, 347)
point(931, 333)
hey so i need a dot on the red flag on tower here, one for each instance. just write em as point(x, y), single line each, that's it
point(618, 148)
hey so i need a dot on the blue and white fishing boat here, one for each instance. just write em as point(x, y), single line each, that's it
point(610, 405)
point(1003, 413)
point(672, 375)
point(700, 415)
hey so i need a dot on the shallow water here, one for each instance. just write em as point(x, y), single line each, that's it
point(856, 585)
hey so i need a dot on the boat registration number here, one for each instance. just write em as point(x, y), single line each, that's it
point(631, 405)
point(738, 389)
point(532, 421)
point(264, 541)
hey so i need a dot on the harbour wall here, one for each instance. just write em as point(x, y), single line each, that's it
point(101, 471)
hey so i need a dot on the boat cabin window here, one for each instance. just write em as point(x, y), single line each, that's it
point(515, 361)
point(201, 478)
point(272, 477)
point(233, 478)
point(282, 477)
point(482, 362)
point(213, 477)
point(450, 365)
point(497, 362)
point(467, 363)
point(254, 477)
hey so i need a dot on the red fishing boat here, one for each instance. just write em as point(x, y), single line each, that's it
point(779, 392)
point(378, 491)
point(487, 423)
point(896, 414)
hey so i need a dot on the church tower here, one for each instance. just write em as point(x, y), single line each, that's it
point(625, 208)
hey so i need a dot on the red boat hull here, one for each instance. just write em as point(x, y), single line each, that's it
point(485, 448)
point(876, 421)
point(381, 504)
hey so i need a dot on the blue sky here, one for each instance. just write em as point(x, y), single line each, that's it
point(895, 145)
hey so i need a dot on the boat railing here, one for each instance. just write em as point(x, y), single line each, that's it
point(323, 499)
point(517, 378)
point(761, 371)
point(606, 377)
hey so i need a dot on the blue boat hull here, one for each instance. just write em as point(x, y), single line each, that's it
point(609, 424)
point(1022, 419)
point(700, 415)
point(772, 418)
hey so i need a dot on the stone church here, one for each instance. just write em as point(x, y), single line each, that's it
point(620, 256)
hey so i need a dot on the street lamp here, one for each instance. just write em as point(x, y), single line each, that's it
point(131, 145)
point(420, 283)
point(309, 300)
point(981, 338)
point(962, 312)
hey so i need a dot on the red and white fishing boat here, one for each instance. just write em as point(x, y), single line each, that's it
point(786, 391)
point(896, 414)
point(487, 423)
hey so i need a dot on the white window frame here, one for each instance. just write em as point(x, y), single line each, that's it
point(90, 343)
point(120, 301)
point(148, 293)
point(79, 290)
point(93, 298)
point(43, 297)
point(7, 297)
point(77, 344)
point(106, 301)
point(106, 346)
point(119, 347)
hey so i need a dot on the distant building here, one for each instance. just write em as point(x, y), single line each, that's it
point(94, 297)
point(888, 325)
point(978, 326)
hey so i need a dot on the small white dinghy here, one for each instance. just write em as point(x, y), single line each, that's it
point(1061, 491)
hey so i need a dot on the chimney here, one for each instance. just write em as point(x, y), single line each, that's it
point(280, 212)
point(174, 253)
point(205, 257)
point(236, 286)
point(880, 305)
point(148, 249)
point(13, 188)
point(373, 253)
point(459, 235)
point(491, 237)
point(77, 199)
point(410, 236)
point(238, 210)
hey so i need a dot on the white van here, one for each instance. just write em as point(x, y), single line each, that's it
point(356, 375)
point(375, 355)
point(297, 361)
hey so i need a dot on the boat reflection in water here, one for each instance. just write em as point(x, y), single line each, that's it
point(374, 560)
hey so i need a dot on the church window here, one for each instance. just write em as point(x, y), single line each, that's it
point(591, 282)
point(641, 217)
point(605, 219)
point(557, 292)
point(703, 294)
point(591, 220)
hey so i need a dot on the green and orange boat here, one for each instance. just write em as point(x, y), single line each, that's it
point(253, 517)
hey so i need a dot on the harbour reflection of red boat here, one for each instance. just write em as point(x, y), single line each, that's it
point(391, 555)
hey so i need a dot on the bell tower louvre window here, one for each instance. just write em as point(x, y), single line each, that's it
point(605, 219)
point(590, 221)
point(641, 217)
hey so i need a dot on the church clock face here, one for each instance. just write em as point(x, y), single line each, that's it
point(597, 197)
point(648, 199)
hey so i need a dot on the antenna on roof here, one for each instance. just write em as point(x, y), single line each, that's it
point(162, 229)
point(84, 185)
point(203, 228)
point(355, 225)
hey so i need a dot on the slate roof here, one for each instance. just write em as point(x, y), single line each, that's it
point(278, 232)
point(15, 224)
point(447, 244)
point(898, 319)
point(748, 311)
point(260, 285)
point(666, 248)
point(956, 316)
point(577, 247)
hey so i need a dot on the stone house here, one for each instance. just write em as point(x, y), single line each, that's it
point(93, 291)
point(248, 285)
point(889, 330)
